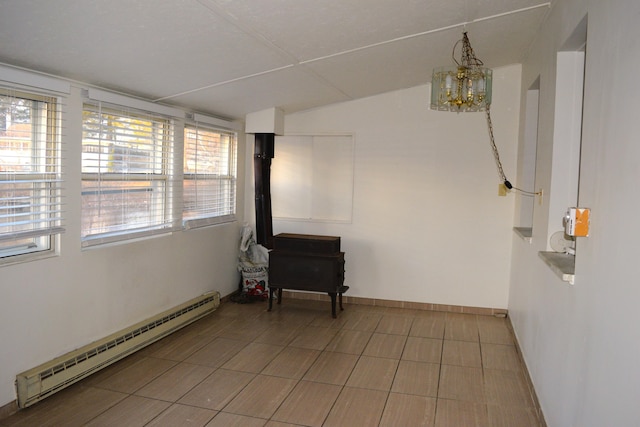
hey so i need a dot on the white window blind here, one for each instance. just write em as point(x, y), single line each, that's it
point(209, 185)
point(30, 175)
point(127, 174)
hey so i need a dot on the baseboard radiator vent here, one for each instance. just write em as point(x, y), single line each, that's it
point(48, 378)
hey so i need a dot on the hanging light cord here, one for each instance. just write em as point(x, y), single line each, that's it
point(496, 156)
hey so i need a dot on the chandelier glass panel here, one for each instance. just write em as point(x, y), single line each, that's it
point(465, 87)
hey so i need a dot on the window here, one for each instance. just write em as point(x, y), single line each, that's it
point(209, 186)
point(30, 175)
point(127, 174)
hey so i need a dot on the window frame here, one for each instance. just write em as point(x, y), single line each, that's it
point(211, 216)
point(160, 184)
point(45, 112)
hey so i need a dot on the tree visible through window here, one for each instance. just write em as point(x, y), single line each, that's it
point(30, 178)
point(209, 185)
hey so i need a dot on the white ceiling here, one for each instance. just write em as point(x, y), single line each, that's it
point(233, 57)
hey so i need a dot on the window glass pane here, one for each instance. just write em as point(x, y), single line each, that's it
point(120, 206)
point(209, 188)
point(126, 173)
point(30, 208)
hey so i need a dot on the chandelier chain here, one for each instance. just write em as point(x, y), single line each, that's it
point(492, 141)
point(468, 57)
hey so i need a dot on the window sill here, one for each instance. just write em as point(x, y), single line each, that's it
point(564, 265)
point(525, 233)
point(33, 256)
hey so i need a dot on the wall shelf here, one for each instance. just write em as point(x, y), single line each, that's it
point(564, 265)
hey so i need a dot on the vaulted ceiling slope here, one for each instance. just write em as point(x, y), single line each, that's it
point(233, 57)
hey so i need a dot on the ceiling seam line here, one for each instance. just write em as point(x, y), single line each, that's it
point(309, 61)
point(436, 30)
point(246, 29)
point(225, 82)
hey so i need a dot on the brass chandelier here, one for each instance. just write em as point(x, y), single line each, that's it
point(464, 87)
point(467, 88)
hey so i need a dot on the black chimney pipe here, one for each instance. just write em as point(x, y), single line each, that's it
point(262, 155)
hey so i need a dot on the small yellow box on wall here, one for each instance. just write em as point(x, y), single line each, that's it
point(576, 222)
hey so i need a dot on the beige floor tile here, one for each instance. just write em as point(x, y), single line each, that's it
point(137, 375)
point(373, 373)
point(456, 413)
point(357, 407)
point(332, 368)
point(349, 341)
point(217, 389)
point(461, 383)
point(280, 424)
point(224, 419)
point(461, 353)
point(243, 329)
point(292, 362)
point(494, 330)
point(74, 406)
point(314, 338)
point(175, 382)
point(407, 410)
point(308, 404)
point(297, 311)
point(461, 328)
point(452, 316)
point(423, 350)
point(323, 321)
point(498, 356)
point(261, 397)
point(428, 326)
point(385, 345)
point(183, 415)
point(133, 411)
point(509, 416)
point(363, 321)
point(306, 359)
point(210, 326)
point(178, 347)
point(253, 358)
point(416, 378)
point(228, 313)
point(507, 388)
point(217, 352)
point(279, 334)
point(103, 374)
point(397, 325)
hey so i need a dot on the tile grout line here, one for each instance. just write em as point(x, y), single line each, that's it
point(444, 335)
point(404, 346)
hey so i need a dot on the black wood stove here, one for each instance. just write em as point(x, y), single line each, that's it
point(307, 263)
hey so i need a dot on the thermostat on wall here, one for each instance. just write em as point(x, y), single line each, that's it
point(576, 222)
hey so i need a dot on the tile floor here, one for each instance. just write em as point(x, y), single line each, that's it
point(297, 366)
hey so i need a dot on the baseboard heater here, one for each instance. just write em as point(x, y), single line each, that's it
point(48, 378)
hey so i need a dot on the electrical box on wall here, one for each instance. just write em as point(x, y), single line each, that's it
point(576, 222)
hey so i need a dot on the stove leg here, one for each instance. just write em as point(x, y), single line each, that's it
point(333, 304)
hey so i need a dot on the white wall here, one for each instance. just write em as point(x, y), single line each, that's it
point(52, 306)
point(428, 225)
point(582, 342)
